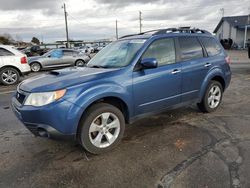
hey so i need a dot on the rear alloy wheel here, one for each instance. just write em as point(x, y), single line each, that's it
point(80, 63)
point(212, 98)
point(102, 128)
point(9, 76)
point(35, 67)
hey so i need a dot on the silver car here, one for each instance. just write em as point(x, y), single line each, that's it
point(58, 58)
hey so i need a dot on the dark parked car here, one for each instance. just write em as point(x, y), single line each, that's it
point(34, 51)
point(134, 77)
point(58, 58)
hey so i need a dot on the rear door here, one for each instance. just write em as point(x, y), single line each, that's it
point(215, 55)
point(68, 57)
point(194, 66)
point(158, 88)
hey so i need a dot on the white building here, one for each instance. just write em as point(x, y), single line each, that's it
point(233, 27)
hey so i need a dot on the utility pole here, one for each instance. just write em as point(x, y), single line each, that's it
point(140, 21)
point(246, 27)
point(41, 38)
point(116, 29)
point(222, 29)
point(66, 23)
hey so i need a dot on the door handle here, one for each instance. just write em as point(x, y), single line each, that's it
point(207, 64)
point(175, 71)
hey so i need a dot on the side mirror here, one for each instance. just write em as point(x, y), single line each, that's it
point(149, 63)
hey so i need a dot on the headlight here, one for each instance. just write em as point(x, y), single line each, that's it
point(41, 99)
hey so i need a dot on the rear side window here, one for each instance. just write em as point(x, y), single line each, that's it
point(68, 53)
point(190, 48)
point(212, 47)
point(163, 50)
point(4, 52)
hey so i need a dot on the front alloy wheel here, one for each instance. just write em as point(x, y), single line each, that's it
point(101, 128)
point(104, 130)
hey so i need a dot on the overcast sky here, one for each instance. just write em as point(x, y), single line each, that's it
point(95, 19)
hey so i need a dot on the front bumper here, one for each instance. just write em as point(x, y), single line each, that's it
point(25, 73)
point(55, 120)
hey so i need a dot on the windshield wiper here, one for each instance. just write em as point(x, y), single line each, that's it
point(97, 66)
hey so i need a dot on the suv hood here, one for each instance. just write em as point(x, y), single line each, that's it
point(60, 79)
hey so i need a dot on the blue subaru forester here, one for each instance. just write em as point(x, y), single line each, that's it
point(136, 76)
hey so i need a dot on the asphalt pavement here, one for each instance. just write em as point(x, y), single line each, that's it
point(180, 148)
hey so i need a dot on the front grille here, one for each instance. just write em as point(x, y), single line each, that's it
point(20, 97)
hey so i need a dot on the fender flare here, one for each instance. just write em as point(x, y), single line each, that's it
point(93, 94)
point(211, 74)
point(35, 61)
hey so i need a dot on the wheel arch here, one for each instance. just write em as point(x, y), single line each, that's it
point(80, 60)
point(10, 66)
point(113, 100)
point(221, 80)
point(36, 62)
point(215, 75)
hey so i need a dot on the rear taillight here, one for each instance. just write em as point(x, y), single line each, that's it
point(23, 60)
point(228, 60)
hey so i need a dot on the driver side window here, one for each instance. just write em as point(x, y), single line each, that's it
point(163, 50)
point(57, 54)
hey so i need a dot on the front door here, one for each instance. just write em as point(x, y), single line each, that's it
point(54, 59)
point(158, 88)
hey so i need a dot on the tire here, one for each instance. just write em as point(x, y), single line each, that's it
point(35, 67)
point(94, 133)
point(9, 76)
point(80, 63)
point(212, 98)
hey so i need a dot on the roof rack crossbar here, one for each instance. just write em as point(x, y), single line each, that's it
point(181, 30)
point(171, 30)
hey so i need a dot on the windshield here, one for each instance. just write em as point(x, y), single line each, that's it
point(48, 53)
point(117, 54)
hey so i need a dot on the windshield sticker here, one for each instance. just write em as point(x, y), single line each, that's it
point(137, 41)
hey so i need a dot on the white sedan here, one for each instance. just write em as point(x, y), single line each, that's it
point(13, 64)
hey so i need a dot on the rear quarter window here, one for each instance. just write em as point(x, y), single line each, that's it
point(4, 52)
point(211, 45)
point(68, 53)
point(190, 48)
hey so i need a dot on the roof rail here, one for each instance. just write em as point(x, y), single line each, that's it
point(181, 30)
point(170, 30)
point(139, 33)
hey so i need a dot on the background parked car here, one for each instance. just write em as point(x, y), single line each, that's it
point(34, 51)
point(100, 47)
point(95, 47)
point(92, 50)
point(13, 64)
point(58, 58)
point(85, 50)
